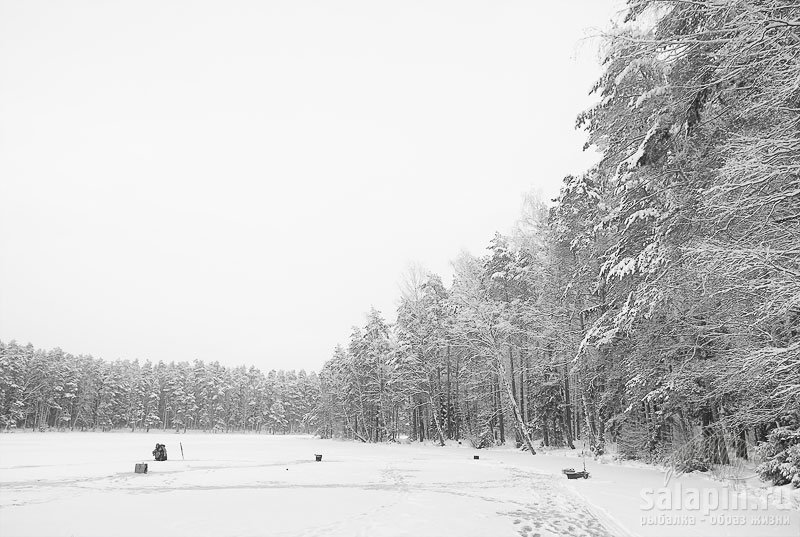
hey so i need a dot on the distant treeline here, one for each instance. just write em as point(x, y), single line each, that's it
point(55, 390)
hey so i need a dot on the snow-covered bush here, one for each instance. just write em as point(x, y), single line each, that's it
point(693, 464)
point(483, 440)
point(781, 454)
point(632, 442)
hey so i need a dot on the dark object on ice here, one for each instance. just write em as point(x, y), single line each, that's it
point(318, 457)
point(141, 468)
point(476, 457)
point(160, 453)
point(576, 475)
point(572, 474)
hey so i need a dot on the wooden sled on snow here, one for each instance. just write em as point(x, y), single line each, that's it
point(572, 474)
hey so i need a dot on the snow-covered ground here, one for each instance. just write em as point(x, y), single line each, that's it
point(83, 484)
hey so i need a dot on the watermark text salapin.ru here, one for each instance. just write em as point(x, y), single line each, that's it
point(678, 506)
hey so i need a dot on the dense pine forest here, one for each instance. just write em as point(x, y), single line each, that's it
point(46, 390)
point(654, 304)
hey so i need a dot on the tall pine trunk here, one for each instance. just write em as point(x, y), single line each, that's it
point(514, 406)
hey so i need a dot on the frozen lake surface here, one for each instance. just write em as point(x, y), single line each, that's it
point(83, 484)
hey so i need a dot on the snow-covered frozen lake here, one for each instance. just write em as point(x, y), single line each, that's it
point(83, 484)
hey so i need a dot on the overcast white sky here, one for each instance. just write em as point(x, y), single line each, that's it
point(241, 180)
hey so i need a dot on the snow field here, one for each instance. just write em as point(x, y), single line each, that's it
point(83, 484)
